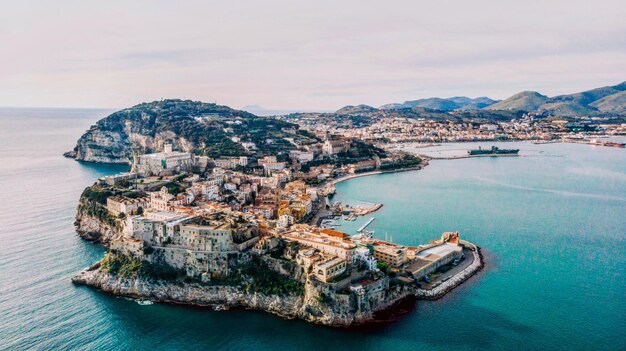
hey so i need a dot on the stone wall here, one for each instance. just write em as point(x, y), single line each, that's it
point(455, 280)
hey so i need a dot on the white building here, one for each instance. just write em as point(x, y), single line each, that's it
point(163, 163)
point(302, 156)
point(285, 221)
point(326, 270)
point(163, 201)
point(271, 167)
point(231, 162)
point(120, 204)
point(363, 255)
point(335, 146)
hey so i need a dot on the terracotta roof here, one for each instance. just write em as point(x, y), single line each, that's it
point(334, 233)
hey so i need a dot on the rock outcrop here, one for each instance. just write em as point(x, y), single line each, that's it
point(93, 229)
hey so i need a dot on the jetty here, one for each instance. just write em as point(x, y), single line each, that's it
point(366, 225)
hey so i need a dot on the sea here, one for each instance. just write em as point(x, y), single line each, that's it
point(552, 225)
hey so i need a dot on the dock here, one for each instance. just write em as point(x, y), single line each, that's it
point(366, 225)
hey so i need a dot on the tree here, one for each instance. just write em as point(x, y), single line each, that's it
point(383, 266)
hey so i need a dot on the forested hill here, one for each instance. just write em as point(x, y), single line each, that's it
point(193, 126)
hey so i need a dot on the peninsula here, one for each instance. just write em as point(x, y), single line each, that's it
point(226, 209)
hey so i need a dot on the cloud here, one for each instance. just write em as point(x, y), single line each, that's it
point(292, 54)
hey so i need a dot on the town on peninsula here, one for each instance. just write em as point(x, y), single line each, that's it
point(227, 209)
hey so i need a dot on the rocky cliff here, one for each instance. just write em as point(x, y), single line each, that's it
point(94, 229)
point(316, 305)
point(190, 125)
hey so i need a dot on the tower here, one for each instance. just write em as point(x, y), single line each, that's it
point(167, 148)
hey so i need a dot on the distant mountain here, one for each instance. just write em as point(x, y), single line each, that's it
point(599, 101)
point(359, 109)
point(265, 112)
point(567, 108)
point(474, 104)
point(607, 100)
point(614, 103)
point(589, 96)
point(454, 103)
point(524, 101)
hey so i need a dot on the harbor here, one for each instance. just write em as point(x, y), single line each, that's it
point(339, 212)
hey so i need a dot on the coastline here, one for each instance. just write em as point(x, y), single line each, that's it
point(422, 164)
point(456, 280)
point(459, 278)
point(339, 313)
point(317, 305)
point(223, 297)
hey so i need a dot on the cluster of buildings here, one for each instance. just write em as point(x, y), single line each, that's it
point(396, 129)
point(197, 243)
point(329, 254)
point(191, 213)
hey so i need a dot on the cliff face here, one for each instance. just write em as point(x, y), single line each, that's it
point(103, 146)
point(94, 229)
point(316, 306)
point(191, 126)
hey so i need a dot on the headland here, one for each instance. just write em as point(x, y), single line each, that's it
point(192, 224)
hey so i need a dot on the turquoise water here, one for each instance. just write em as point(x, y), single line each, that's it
point(553, 226)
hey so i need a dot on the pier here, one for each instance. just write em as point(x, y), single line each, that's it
point(366, 225)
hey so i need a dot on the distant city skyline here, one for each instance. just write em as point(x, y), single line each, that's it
point(287, 55)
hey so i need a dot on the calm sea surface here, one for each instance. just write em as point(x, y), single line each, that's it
point(552, 225)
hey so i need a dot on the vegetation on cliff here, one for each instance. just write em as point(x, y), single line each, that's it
point(93, 203)
point(251, 275)
point(204, 128)
point(258, 277)
point(125, 266)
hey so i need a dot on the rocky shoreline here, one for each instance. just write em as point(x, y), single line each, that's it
point(93, 229)
point(309, 307)
point(338, 312)
point(319, 303)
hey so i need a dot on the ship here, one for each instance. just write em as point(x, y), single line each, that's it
point(493, 151)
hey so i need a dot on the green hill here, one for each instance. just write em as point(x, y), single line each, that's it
point(568, 108)
point(524, 101)
point(359, 109)
point(615, 103)
point(589, 96)
point(193, 126)
point(453, 103)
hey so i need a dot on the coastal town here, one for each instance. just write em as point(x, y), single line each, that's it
point(392, 129)
point(217, 222)
point(226, 209)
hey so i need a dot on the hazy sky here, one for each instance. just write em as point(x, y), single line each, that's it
point(309, 54)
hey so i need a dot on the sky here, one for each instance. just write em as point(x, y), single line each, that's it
point(313, 55)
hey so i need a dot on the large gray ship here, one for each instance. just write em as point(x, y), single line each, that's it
point(493, 151)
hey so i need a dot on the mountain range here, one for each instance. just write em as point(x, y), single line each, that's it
point(608, 100)
point(449, 104)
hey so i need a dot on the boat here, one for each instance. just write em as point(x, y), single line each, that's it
point(145, 302)
point(493, 151)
